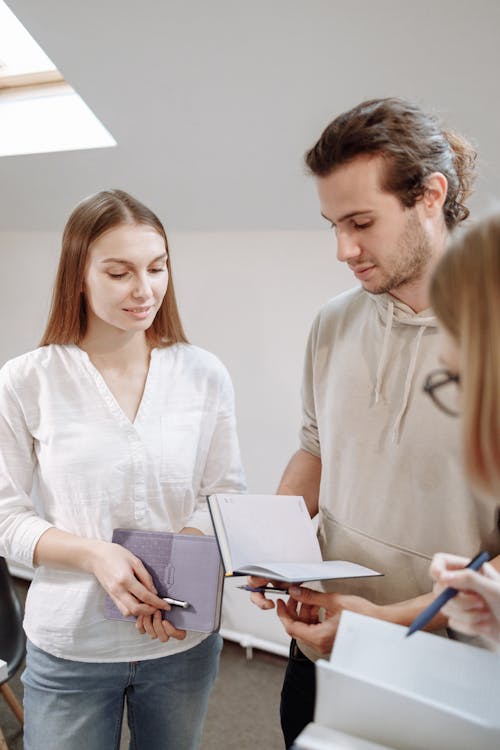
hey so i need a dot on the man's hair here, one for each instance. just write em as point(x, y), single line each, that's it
point(465, 295)
point(413, 145)
point(97, 214)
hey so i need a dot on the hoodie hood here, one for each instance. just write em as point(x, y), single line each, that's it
point(392, 311)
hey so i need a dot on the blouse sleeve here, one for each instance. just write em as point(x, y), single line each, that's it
point(223, 469)
point(20, 525)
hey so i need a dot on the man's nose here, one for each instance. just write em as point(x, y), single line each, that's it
point(347, 247)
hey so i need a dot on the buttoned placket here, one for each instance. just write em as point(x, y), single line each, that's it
point(136, 443)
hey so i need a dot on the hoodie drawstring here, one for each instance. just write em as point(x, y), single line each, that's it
point(408, 383)
point(395, 311)
point(385, 349)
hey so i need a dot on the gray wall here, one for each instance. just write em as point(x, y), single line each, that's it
point(248, 297)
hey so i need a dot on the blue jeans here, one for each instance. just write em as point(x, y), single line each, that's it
point(73, 705)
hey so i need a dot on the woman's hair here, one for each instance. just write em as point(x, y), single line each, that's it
point(465, 295)
point(413, 146)
point(67, 322)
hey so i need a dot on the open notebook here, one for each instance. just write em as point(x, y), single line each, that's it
point(273, 536)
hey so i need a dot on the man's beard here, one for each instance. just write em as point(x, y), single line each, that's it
point(411, 258)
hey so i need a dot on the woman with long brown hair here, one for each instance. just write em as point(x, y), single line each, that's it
point(465, 294)
point(114, 421)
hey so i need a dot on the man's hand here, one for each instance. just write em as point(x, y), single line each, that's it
point(305, 625)
point(258, 598)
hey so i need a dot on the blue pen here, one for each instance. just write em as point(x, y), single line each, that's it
point(431, 611)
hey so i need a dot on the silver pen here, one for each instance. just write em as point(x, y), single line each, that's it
point(175, 602)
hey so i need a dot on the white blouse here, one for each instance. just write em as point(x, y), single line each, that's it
point(70, 458)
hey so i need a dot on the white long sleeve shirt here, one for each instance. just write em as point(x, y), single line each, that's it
point(70, 458)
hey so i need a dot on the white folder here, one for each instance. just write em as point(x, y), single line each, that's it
point(424, 692)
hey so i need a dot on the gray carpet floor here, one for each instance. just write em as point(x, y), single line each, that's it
point(243, 711)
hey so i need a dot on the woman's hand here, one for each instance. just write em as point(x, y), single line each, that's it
point(475, 610)
point(155, 627)
point(124, 577)
point(121, 574)
point(153, 624)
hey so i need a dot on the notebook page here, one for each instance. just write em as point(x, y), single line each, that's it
point(302, 572)
point(318, 737)
point(393, 717)
point(274, 528)
point(447, 672)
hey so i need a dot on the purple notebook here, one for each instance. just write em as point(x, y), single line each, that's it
point(183, 567)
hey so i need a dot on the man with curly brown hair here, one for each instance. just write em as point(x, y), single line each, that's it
point(376, 461)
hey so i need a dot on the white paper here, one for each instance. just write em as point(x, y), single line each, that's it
point(316, 737)
point(418, 693)
point(268, 527)
point(442, 670)
point(302, 572)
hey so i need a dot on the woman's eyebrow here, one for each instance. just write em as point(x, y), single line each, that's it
point(128, 263)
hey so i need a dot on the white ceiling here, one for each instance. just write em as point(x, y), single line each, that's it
point(213, 102)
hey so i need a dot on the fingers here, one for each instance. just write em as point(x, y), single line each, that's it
point(256, 582)
point(129, 584)
point(318, 635)
point(130, 607)
point(139, 624)
point(490, 572)
point(305, 613)
point(313, 598)
point(150, 625)
point(257, 598)
point(157, 628)
point(443, 562)
point(470, 621)
point(172, 632)
point(131, 604)
point(465, 580)
point(142, 574)
point(468, 600)
point(143, 589)
point(466, 604)
point(261, 601)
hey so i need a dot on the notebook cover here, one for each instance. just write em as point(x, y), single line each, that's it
point(183, 566)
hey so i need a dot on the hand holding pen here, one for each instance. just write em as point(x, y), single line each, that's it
point(259, 587)
point(264, 589)
point(476, 611)
point(439, 602)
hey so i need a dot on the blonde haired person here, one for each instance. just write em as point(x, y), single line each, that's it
point(114, 421)
point(465, 295)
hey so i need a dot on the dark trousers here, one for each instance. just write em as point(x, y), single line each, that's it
point(297, 695)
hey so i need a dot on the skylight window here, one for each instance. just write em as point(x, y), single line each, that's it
point(39, 111)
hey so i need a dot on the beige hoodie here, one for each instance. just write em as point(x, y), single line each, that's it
point(392, 487)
